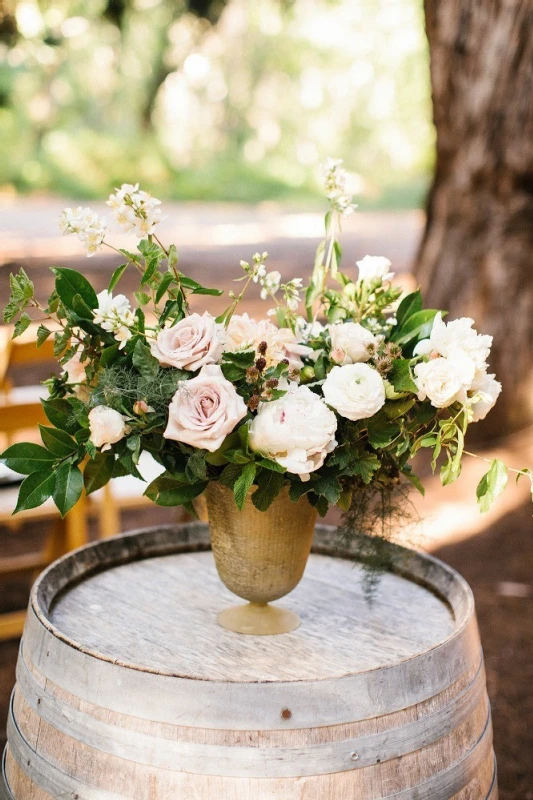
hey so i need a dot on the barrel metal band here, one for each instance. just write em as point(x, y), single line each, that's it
point(48, 777)
point(244, 761)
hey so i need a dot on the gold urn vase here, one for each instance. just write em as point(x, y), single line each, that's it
point(260, 556)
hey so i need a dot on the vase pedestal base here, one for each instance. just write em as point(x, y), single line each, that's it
point(258, 619)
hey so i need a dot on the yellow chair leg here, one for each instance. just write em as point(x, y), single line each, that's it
point(108, 515)
point(11, 625)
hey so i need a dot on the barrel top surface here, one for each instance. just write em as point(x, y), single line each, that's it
point(158, 614)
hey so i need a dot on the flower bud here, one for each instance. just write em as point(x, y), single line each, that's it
point(140, 407)
point(338, 355)
point(307, 374)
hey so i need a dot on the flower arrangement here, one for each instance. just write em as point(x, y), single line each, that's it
point(332, 393)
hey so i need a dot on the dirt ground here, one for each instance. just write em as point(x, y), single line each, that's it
point(497, 561)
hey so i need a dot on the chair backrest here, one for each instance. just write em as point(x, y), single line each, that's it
point(21, 352)
point(19, 417)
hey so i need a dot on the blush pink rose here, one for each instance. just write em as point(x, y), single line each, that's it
point(204, 410)
point(190, 344)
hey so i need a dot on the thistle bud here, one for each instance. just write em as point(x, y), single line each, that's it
point(261, 364)
point(253, 402)
point(252, 375)
point(262, 348)
point(272, 383)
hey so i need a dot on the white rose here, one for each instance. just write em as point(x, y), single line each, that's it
point(460, 343)
point(190, 344)
point(438, 380)
point(353, 340)
point(204, 410)
point(486, 391)
point(107, 426)
point(297, 431)
point(356, 391)
point(374, 268)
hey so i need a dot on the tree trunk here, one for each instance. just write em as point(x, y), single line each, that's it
point(476, 256)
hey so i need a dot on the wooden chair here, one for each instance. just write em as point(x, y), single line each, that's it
point(63, 535)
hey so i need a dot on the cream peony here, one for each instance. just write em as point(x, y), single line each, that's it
point(190, 344)
point(486, 391)
point(438, 380)
point(374, 268)
point(352, 339)
point(107, 426)
point(204, 410)
point(297, 431)
point(356, 391)
point(244, 333)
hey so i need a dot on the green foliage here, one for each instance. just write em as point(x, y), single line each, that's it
point(22, 291)
point(68, 487)
point(98, 471)
point(35, 489)
point(27, 457)
point(491, 485)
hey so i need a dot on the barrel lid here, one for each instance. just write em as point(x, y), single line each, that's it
point(149, 599)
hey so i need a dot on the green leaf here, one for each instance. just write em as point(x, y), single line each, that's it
point(242, 359)
point(169, 491)
point(365, 466)
point(328, 486)
point(21, 293)
point(400, 376)
point(381, 432)
point(68, 487)
point(243, 484)
point(21, 325)
point(417, 326)
point(197, 288)
point(57, 441)
point(144, 361)
point(266, 463)
point(397, 408)
point(42, 335)
point(70, 283)
point(109, 355)
point(61, 414)
point(142, 298)
point(196, 469)
point(232, 373)
point(269, 486)
point(98, 471)
point(229, 474)
point(27, 457)
point(491, 485)
point(35, 490)
point(410, 305)
point(163, 286)
point(117, 275)
point(149, 272)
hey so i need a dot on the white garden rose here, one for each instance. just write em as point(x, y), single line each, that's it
point(438, 380)
point(374, 268)
point(204, 410)
point(297, 431)
point(190, 344)
point(107, 426)
point(355, 391)
point(460, 344)
point(486, 391)
point(353, 340)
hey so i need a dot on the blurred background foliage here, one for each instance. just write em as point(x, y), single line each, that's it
point(233, 100)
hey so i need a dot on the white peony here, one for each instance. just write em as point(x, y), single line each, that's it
point(205, 410)
point(356, 391)
point(438, 380)
point(374, 268)
point(353, 340)
point(190, 344)
point(486, 391)
point(297, 431)
point(244, 333)
point(107, 426)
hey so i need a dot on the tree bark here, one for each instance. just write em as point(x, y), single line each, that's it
point(476, 256)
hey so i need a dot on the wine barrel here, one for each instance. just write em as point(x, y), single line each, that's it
point(128, 689)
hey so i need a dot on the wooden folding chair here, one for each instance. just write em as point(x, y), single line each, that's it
point(63, 534)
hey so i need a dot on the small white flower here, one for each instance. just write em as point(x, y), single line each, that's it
point(107, 426)
point(355, 391)
point(89, 226)
point(114, 314)
point(459, 342)
point(259, 273)
point(135, 210)
point(270, 283)
point(374, 269)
